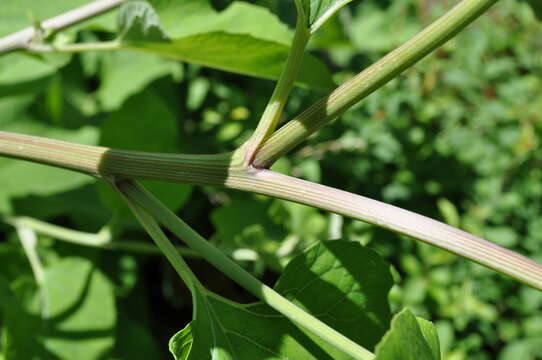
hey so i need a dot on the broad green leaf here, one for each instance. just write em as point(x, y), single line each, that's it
point(18, 70)
point(144, 123)
point(20, 178)
point(118, 66)
point(20, 318)
point(430, 334)
point(190, 17)
point(319, 11)
point(177, 17)
point(72, 317)
point(231, 40)
point(342, 283)
point(138, 22)
point(13, 108)
point(80, 301)
point(238, 53)
point(409, 338)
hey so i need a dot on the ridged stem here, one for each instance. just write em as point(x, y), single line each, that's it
point(369, 80)
point(390, 217)
point(102, 162)
point(273, 111)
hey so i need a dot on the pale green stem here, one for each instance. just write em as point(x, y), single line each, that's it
point(163, 243)
point(272, 113)
point(227, 170)
point(25, 37)
point(102, 162)
point(219, 260)
point(390, 217)
point(368, 81)
point(74, 48)
point(29, 241)
point(102, 239)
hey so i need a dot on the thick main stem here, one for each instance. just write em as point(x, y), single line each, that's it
point(229, 171)
point(390, 217)
point(102, 162)
point(369, 80)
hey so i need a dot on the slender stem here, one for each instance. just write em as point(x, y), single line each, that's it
point(163, 243)
point(29, 241)
point(102, 239)
point(21, 39)
point(219, 260)
point(99, 239)
point(433, 232)
point(74, 48)
point(275, 106)
point(369, 80)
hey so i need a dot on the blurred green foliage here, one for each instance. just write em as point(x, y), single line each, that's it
point(456, 138)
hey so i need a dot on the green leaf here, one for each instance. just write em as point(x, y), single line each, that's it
point(22, 70)
point(409, 338)
point(198, 17)
point(139, 22)
point(80, 301)
point(144, 123)
point(237, 53)
point(342, 283)
point(118, 66)
point(73, 317)
point(232, 40)
point(177, 17)
point(319, 11)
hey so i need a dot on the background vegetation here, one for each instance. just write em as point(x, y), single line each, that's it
point(456, 138)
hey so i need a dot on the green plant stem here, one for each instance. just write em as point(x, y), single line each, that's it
point(163, 243)
point(390, 217)
point(102, 239)
point(74, 48)
point(29, 242)
point(369, 80)
point(273, 111)
point(22, 39)
point(228, 170)
point(103, 162)
point(162, 214)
